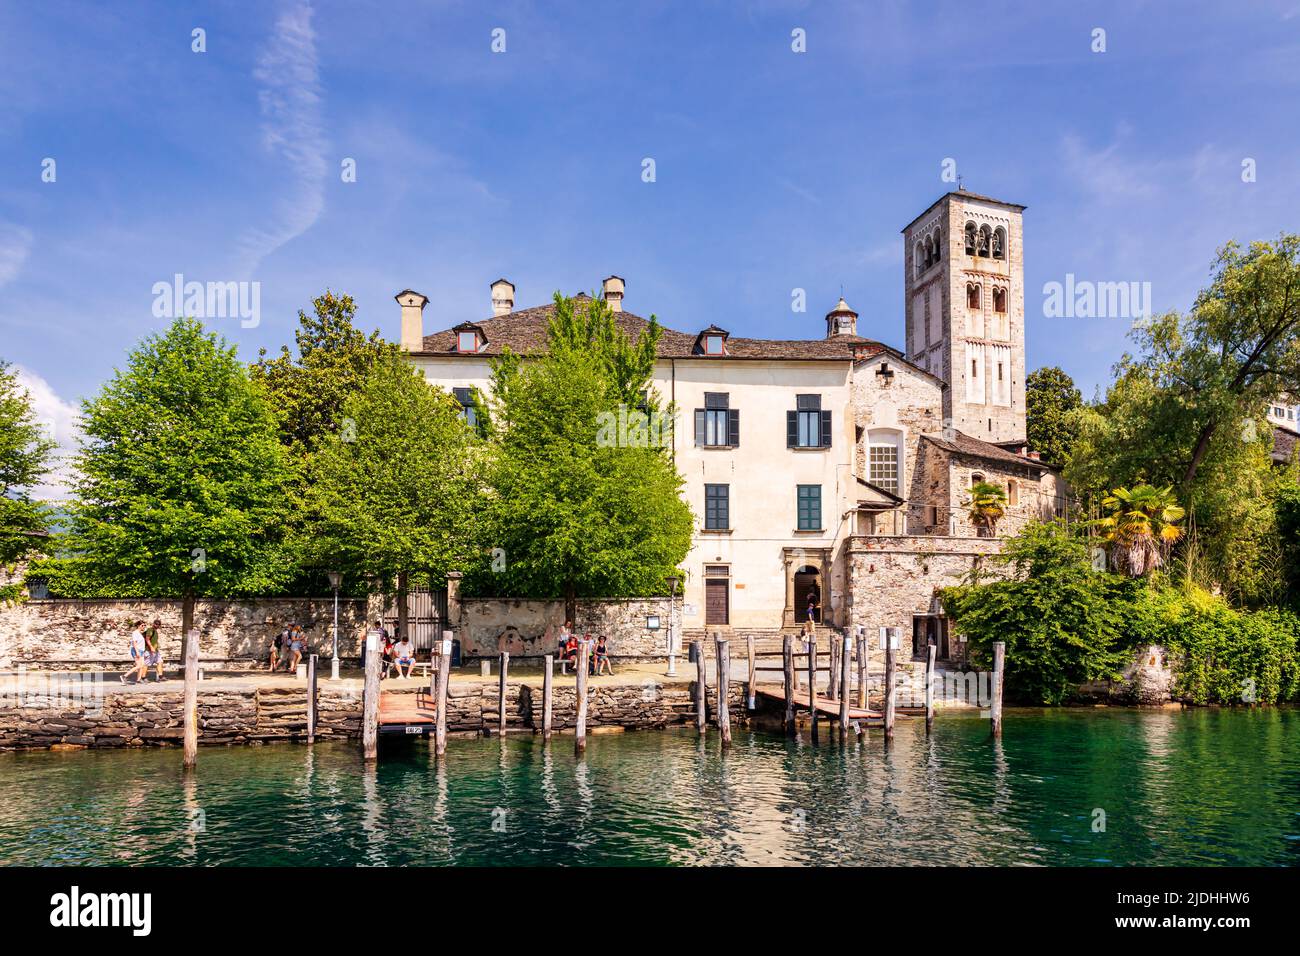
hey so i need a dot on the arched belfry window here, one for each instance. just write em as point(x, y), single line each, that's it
point(999, 243)
point(970, 238)
point(985, 241)
point(921, 264)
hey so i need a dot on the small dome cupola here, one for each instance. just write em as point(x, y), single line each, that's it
point(841, 320)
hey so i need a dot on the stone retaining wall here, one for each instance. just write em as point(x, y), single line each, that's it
point(71, 634)
point(488, 626)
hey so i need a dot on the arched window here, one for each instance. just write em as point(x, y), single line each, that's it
point(1013, 492)
point(972, 295)
point(999, 300)
point(999, 243)
point(975, 479)
point(929, 252)
point(970, 238)
point(938, 245)
point(920, 262)
point(985, 241)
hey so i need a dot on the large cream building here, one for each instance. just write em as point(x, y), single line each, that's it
point(833, 467)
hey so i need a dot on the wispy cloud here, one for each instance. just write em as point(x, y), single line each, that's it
point(15, 245)
point(293, 132)
point(60, 420)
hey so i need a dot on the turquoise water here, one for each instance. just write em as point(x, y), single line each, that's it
point(1195, 788)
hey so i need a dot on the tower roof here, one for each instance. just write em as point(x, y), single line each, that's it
point(968, 195)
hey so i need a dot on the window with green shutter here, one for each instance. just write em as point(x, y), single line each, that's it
point(810, 507)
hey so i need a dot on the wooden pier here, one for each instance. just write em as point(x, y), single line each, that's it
point(824, 705)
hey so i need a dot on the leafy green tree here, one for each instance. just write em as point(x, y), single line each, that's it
point(399, 493)
point(181, 477)
point(1052, 409)
point(586, 500)
point(24, 461)
point(334, 357)
point(1063, 623)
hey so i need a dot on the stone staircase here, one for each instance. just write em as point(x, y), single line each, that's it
point(766, 640)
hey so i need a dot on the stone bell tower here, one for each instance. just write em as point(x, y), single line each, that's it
point(965, 304)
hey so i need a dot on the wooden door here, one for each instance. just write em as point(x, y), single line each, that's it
point(716, 600)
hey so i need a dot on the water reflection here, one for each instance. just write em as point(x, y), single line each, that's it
point(1203, 787)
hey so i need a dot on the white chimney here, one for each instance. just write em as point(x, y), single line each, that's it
point(613, 290)
point(503, 297)
point(412, 304)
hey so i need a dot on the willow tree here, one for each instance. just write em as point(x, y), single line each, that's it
point(397, 491)
point(586, 500)
point(181, 478)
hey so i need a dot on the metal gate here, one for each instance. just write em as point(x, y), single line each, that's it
point(426, 615)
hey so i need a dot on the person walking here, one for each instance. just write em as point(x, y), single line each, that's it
point(153, 641)
point(139, 655)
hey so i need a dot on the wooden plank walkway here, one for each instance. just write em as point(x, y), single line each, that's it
point(405, 709)
point(824, 704)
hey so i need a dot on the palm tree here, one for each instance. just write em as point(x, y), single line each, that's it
point(1141, 527)
point(987, 505)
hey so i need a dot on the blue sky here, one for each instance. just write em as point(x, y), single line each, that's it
point(775, 170)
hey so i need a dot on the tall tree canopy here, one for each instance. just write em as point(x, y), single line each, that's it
point(1187, 410)
point(334, 358)
point(180, 487)
point(24, 461)
point(398, 493)
point(585, 497)
point(1052, 409)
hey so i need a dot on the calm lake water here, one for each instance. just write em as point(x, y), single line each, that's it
point(1199, 787)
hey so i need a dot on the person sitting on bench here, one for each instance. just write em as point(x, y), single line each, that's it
point(570, 656)
point(404, 651)
point(602, 658)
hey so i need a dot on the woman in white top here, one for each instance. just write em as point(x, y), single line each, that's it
point(139, 655)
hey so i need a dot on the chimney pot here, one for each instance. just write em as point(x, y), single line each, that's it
point(412, 304)
point(613, 293)
point(503, 297)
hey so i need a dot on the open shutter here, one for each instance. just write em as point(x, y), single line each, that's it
point(791, 429)
point(826, 430)
point(699, 426)
point(733, 427)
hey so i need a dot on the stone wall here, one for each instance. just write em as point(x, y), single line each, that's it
point(75, 634)
point(488, 626)
point(891, 579)
point(135, 719)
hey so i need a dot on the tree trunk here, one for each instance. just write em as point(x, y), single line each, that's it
point(403, 581)
point(187, 619)
point(571, 604)
point(1202, 446)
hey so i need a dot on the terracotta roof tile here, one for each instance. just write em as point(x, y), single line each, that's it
point(524, 331)
point(963, 444)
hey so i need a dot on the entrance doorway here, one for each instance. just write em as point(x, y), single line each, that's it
point(807, 583)
point(717, 594)
point(929, 629)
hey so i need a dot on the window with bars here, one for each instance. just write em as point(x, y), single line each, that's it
point(810, 507)
point(808, 426)
point(717, 425)
point(717, 507)
point(884, 466)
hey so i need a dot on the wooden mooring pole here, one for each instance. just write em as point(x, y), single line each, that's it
point(370, 700)
point(929, 687)
point(811, 644)
point(846, 670)
point(750, 689)
point(311, 699)
point(443, 675)
point(191, 702)
point(787, 665)
point(501, 695)
point(584, 649)
point(832, 678)
point(862, 667)
point(548, 668)
point(995, 710)
point(724, 688)
point(889, 687)
point(701, 689)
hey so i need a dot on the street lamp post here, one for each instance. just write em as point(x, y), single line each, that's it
point(672, 630)
point(336, 579)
